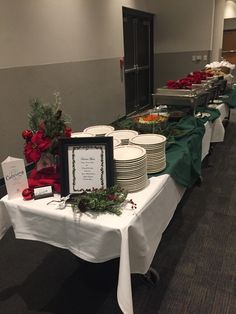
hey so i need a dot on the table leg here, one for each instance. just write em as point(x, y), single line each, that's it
point(152, 277)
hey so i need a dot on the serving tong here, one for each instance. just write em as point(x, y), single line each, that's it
point(61, 204)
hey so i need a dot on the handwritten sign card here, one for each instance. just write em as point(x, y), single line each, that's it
point(87, 166)
point(15, 176)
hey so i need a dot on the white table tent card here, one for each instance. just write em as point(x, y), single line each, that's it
point(15, 176)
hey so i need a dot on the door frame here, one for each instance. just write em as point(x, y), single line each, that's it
point(142, 14)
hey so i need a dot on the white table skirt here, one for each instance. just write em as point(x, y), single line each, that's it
point(206, 141)
point(218, 131)
point(5, 222)
point(134, 236)
point(214, 131)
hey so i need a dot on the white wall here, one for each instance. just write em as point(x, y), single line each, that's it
point(149, 6)
point(218, 29)
point(43, 44)
point(230, 9)
point(36, 32)
point(184, 25)
point(55, 31)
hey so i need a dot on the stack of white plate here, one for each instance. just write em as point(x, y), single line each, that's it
point(99, 130)
point(82, 134)
point(130, 163)
point(155, 148)
point(116, 142)
point(123, 135)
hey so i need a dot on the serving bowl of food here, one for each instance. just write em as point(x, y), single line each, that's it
point(151, 122)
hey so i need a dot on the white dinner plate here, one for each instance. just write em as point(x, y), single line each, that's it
point(131, 168)
point(82, 134)
point(156, 165)
point(155, 151)
point(135, 187)
point(123, 135)
point(141, 178)
point(129, 152)
point(133, 163)
point(116, 142)
point(155, 169)
point(156, 156)
point(99, 129)
point(148, 139)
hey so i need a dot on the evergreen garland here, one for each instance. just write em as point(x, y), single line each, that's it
point(100, 200)
point(49, 119)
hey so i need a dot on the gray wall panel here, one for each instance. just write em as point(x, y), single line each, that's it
point(229, 24)
point(172, 66)
point(92, 93)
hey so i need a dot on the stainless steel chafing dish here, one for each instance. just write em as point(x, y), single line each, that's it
point(182, 97)
point(198, 95)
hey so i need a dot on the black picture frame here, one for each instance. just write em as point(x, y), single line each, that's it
point(70, 151)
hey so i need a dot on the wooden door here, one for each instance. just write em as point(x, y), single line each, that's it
point(138, 63)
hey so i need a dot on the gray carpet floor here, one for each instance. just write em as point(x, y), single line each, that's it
point(196, 259)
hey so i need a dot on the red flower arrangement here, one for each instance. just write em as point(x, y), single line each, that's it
point(47, 125)
point(195, 77)
point(35, 144)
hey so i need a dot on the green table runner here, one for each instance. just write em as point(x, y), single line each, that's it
point(184, 151)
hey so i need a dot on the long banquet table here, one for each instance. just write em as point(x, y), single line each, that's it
point(134, 236)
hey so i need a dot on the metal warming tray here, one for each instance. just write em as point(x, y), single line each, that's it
point(192, 98)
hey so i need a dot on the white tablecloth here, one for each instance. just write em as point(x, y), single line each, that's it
point(218, 131)
point(214, 131)
point(134, 236)
point(206, 141)
point(5, 222)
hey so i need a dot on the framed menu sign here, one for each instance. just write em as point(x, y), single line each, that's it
point(86, 164)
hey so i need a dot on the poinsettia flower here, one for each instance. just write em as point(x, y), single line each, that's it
point(174, 84)
point(31, 152)
point(37, 144)
point(42, 142)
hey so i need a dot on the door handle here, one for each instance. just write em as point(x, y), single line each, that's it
point(229, 51)
point(130, 70)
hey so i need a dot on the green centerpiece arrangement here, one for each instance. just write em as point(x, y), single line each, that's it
point(109, 200)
